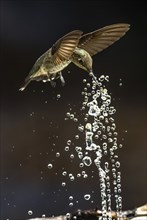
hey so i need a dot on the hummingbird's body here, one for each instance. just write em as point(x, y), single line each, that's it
point(45, 70)
point(73, 47)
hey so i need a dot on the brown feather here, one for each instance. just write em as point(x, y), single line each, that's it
point(100, 39)
point(64, 47)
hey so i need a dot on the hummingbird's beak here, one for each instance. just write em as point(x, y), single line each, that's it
point(22, 88)
point(27, 81)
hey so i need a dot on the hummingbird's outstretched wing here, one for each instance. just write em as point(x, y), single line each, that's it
point(100, 39)
point(64, 47)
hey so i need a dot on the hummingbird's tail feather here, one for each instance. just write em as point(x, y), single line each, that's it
point(27, 81)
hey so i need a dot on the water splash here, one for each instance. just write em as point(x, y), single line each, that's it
point(100, 137)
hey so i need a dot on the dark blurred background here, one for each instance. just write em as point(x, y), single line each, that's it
point(33, 128)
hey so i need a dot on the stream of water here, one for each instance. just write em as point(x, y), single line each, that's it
point(100, 145)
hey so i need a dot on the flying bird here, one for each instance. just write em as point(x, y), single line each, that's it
point(76, 48)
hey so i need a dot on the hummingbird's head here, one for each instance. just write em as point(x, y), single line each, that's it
point(86, 63)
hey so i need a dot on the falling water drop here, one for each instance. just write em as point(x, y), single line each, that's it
point(30, 212)
point(87, 196)
point(63, 184)
point(57, 154)
point(64, 173)
point(87, 161)
point(69, 142)
point(70, 197)
point(58, 96)
point(77, 136)
point(67, 148)
point(50, 166)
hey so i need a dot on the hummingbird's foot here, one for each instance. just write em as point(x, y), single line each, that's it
point(53, 83)
point(62, 79)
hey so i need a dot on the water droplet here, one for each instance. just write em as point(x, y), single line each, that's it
point(101, 78)
point(77, 136)
point(50, 166)
point(63, 184)
point(43, 216)
point(72, 156)
point(64, 173)
point(85, 176)
point(105, 114)
point(66, 148)
point(105, 152)
point(87, 161)
point(120, 145)
point(83, 172)
point(87, 196)
point(57, 154)
point(75, 120)
point(70, 204)
point(70, 197)
point(72, 116)
point(117, 164)
point(68, 114)
point(81, 128)
point(78, 175)
point(96, 136)
point(68, 216)
point(99, 155)
point(69, 142)
point(78, 149)
point(92, 147)
point(30, 212)
point(101, 117)
point(104, 136)
point(115, 133)
point(99, 132)
point(88, 127)
point(119, 190)
point(72, 178)
point(93, 91)
point(118, 185)
point(58, 96)
point(94, 110)
point(70, 175)
point(81, 165)
point(110, 140)
point(113, 170)
point(104, 146)
point(107, 78)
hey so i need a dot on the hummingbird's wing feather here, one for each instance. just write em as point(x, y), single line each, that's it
point(64, 47)
point(100, 39)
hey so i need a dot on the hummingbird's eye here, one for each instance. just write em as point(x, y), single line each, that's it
point(80, 61)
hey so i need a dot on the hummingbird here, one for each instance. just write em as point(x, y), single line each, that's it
point(76, 48)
